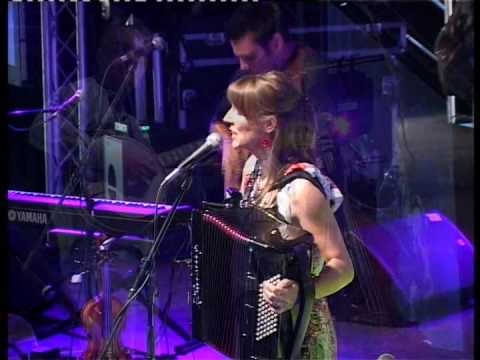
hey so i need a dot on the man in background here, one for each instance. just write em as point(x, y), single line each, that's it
point(260, 39)
point(454, 48)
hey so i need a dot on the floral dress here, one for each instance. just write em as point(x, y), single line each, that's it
point(320, 340)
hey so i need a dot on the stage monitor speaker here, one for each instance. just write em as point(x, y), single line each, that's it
point(407, 271)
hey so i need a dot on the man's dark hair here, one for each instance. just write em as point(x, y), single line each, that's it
point(262, 19)
point(454, 48)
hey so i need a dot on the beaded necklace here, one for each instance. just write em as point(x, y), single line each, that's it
point(252, 188)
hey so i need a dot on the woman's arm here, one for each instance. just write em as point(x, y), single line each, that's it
point(313, 212)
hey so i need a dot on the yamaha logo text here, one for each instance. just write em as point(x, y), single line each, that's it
point(27, 217)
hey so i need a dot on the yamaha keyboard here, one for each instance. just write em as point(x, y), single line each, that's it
point(112, 217)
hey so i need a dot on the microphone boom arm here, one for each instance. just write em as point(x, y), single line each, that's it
point(198, 156)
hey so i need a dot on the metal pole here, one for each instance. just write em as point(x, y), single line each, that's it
point(151, 297)
point(140, 91)
point(158, 82)
point(82, 109)
point(53, 180)
point(182, 112)
point(420, 46)
point(439, 4)
point(451, 110)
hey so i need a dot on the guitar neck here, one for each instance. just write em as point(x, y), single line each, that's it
point(173, 157)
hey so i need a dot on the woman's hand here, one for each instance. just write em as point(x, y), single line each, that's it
point(281, 295)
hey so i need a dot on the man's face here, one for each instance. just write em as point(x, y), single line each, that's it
point(253, 58)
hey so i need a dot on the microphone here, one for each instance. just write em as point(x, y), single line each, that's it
point(72, 100)
point(211, 143)
point(157, 42)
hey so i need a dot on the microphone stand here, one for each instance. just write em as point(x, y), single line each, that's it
point(55, 112)
point(88, 145)
point(25, 112)
point(146, 275)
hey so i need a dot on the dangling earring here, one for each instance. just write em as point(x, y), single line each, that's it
point(266, 143)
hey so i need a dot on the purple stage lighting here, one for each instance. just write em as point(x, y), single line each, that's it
point(100, 205)
point(72, 232)
point(426, 255)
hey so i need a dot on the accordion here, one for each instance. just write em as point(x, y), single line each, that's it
point(234, 250)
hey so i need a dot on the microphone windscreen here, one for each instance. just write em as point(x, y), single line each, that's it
point(214, 139)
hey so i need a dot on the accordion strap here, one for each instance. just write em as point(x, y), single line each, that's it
point(307, 289)
point(299, 174)
point(307, 297)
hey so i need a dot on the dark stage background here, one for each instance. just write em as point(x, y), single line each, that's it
point(408, 177)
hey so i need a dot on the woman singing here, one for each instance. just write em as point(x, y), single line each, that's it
point(271, 120)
